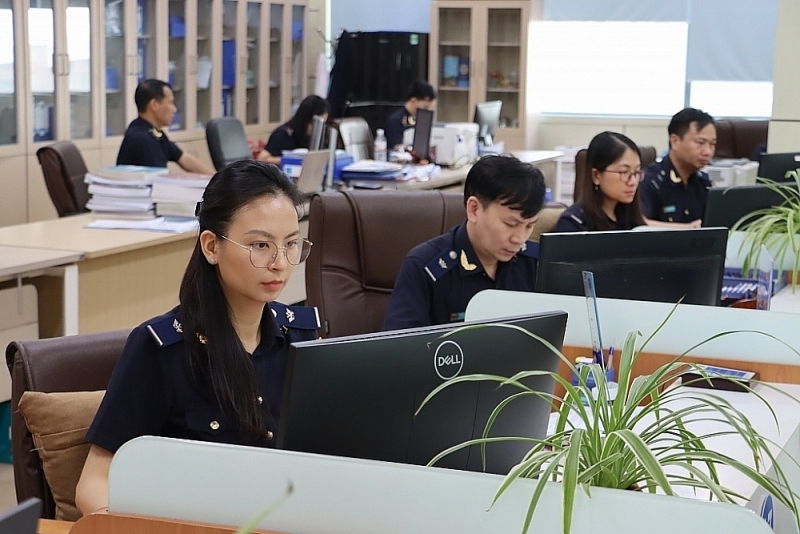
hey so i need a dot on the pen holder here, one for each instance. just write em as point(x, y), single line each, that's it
point(590, 383)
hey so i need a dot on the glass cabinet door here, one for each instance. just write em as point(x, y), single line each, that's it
point(275, 62)
point(145, 40)
point(229, 24)
point(503, 54)
point(455, 28)
point(79, 41)
point(115, 71)
point(8, 85)
point(298, 56)
point(204, 62)
point(177, 61)
point(253, 113)
point(41, 45)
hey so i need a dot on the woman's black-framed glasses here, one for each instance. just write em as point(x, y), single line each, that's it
point(626, 175)
point(264, 253)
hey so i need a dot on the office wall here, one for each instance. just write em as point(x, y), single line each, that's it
point(393, 15)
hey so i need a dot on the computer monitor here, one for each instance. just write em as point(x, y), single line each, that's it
point(660, 266)
point(22, 518)
point(422, 134)
point(725, 206)
point(356, 396)
point(487, 116)
point(317, 138)
point(775, 166)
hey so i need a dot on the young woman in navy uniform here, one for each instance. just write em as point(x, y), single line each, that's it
point(296, 133)
point(610, 194)
point(212, 369)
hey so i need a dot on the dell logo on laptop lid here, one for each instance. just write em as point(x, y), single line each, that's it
point(448, 360)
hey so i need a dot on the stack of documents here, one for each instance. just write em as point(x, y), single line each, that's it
point(177, 193)
point(368, 169)
point(122, 191)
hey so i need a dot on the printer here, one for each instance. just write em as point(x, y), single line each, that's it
point(455, 143)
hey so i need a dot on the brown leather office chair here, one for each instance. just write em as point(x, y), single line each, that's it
point(648, 157)
point(64, 170)
point(72, 363)
point(360, 240)
point(355, 137)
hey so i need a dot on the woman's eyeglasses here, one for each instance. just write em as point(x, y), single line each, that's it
point(626, 175)
point(264, 253)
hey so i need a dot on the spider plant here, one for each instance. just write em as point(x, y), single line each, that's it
point(640, 440)
point(775, 227)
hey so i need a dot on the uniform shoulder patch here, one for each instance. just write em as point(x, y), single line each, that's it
point(301, 317)
point(166, 331)
point(530, 249)
point(441, 264)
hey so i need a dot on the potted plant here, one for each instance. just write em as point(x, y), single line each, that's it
point(776, 228)
point(636, 440)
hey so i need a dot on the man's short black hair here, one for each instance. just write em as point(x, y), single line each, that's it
point(147, 91)
point(682, 121)
point(421, 91)
point(508, 181)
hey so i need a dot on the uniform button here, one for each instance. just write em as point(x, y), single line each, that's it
point(686, 212)
point(214, 425)
point(260, 400)
point(270, 435)
point(670, 219)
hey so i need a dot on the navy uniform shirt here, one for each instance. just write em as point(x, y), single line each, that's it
point(283, 138)
point(146, 145)
point(665, 198)
point(573, 220)
point(397, 123)
point(439, 277)
point(151, 391)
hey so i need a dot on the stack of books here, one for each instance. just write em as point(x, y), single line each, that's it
point(176, 194)
point(122, 191)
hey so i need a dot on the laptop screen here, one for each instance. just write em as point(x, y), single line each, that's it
point(422, 133)
point(356, 396)
point(21, 519)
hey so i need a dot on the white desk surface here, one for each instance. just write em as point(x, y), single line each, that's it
point(786, 300)
point(70, 234)
point(20, 260)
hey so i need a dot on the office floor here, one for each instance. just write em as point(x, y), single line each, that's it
point(8, 497)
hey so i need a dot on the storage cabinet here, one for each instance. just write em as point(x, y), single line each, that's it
point(478, 53)
point(69, 70)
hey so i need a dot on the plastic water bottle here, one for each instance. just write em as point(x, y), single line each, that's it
point(380, 146)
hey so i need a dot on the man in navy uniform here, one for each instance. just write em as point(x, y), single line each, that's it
point(490, 250)
point(420, 95)
point(674, 190)
point(145, 142)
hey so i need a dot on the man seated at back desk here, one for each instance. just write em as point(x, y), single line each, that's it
point(674, 190)
point(490, 250)
point(145, 142)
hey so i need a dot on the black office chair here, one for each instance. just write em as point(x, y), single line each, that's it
point(227, 141)
point(64, 169)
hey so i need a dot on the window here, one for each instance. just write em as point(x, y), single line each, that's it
point(611, 68)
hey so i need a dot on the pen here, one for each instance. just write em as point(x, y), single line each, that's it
point(610, 362)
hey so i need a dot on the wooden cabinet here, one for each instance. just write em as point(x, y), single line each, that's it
point(478, 53)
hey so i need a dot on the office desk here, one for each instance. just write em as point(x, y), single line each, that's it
point(123, 278)
point(18, 263)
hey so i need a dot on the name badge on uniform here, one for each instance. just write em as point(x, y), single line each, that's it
point(455, 317)
point(670, 209)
